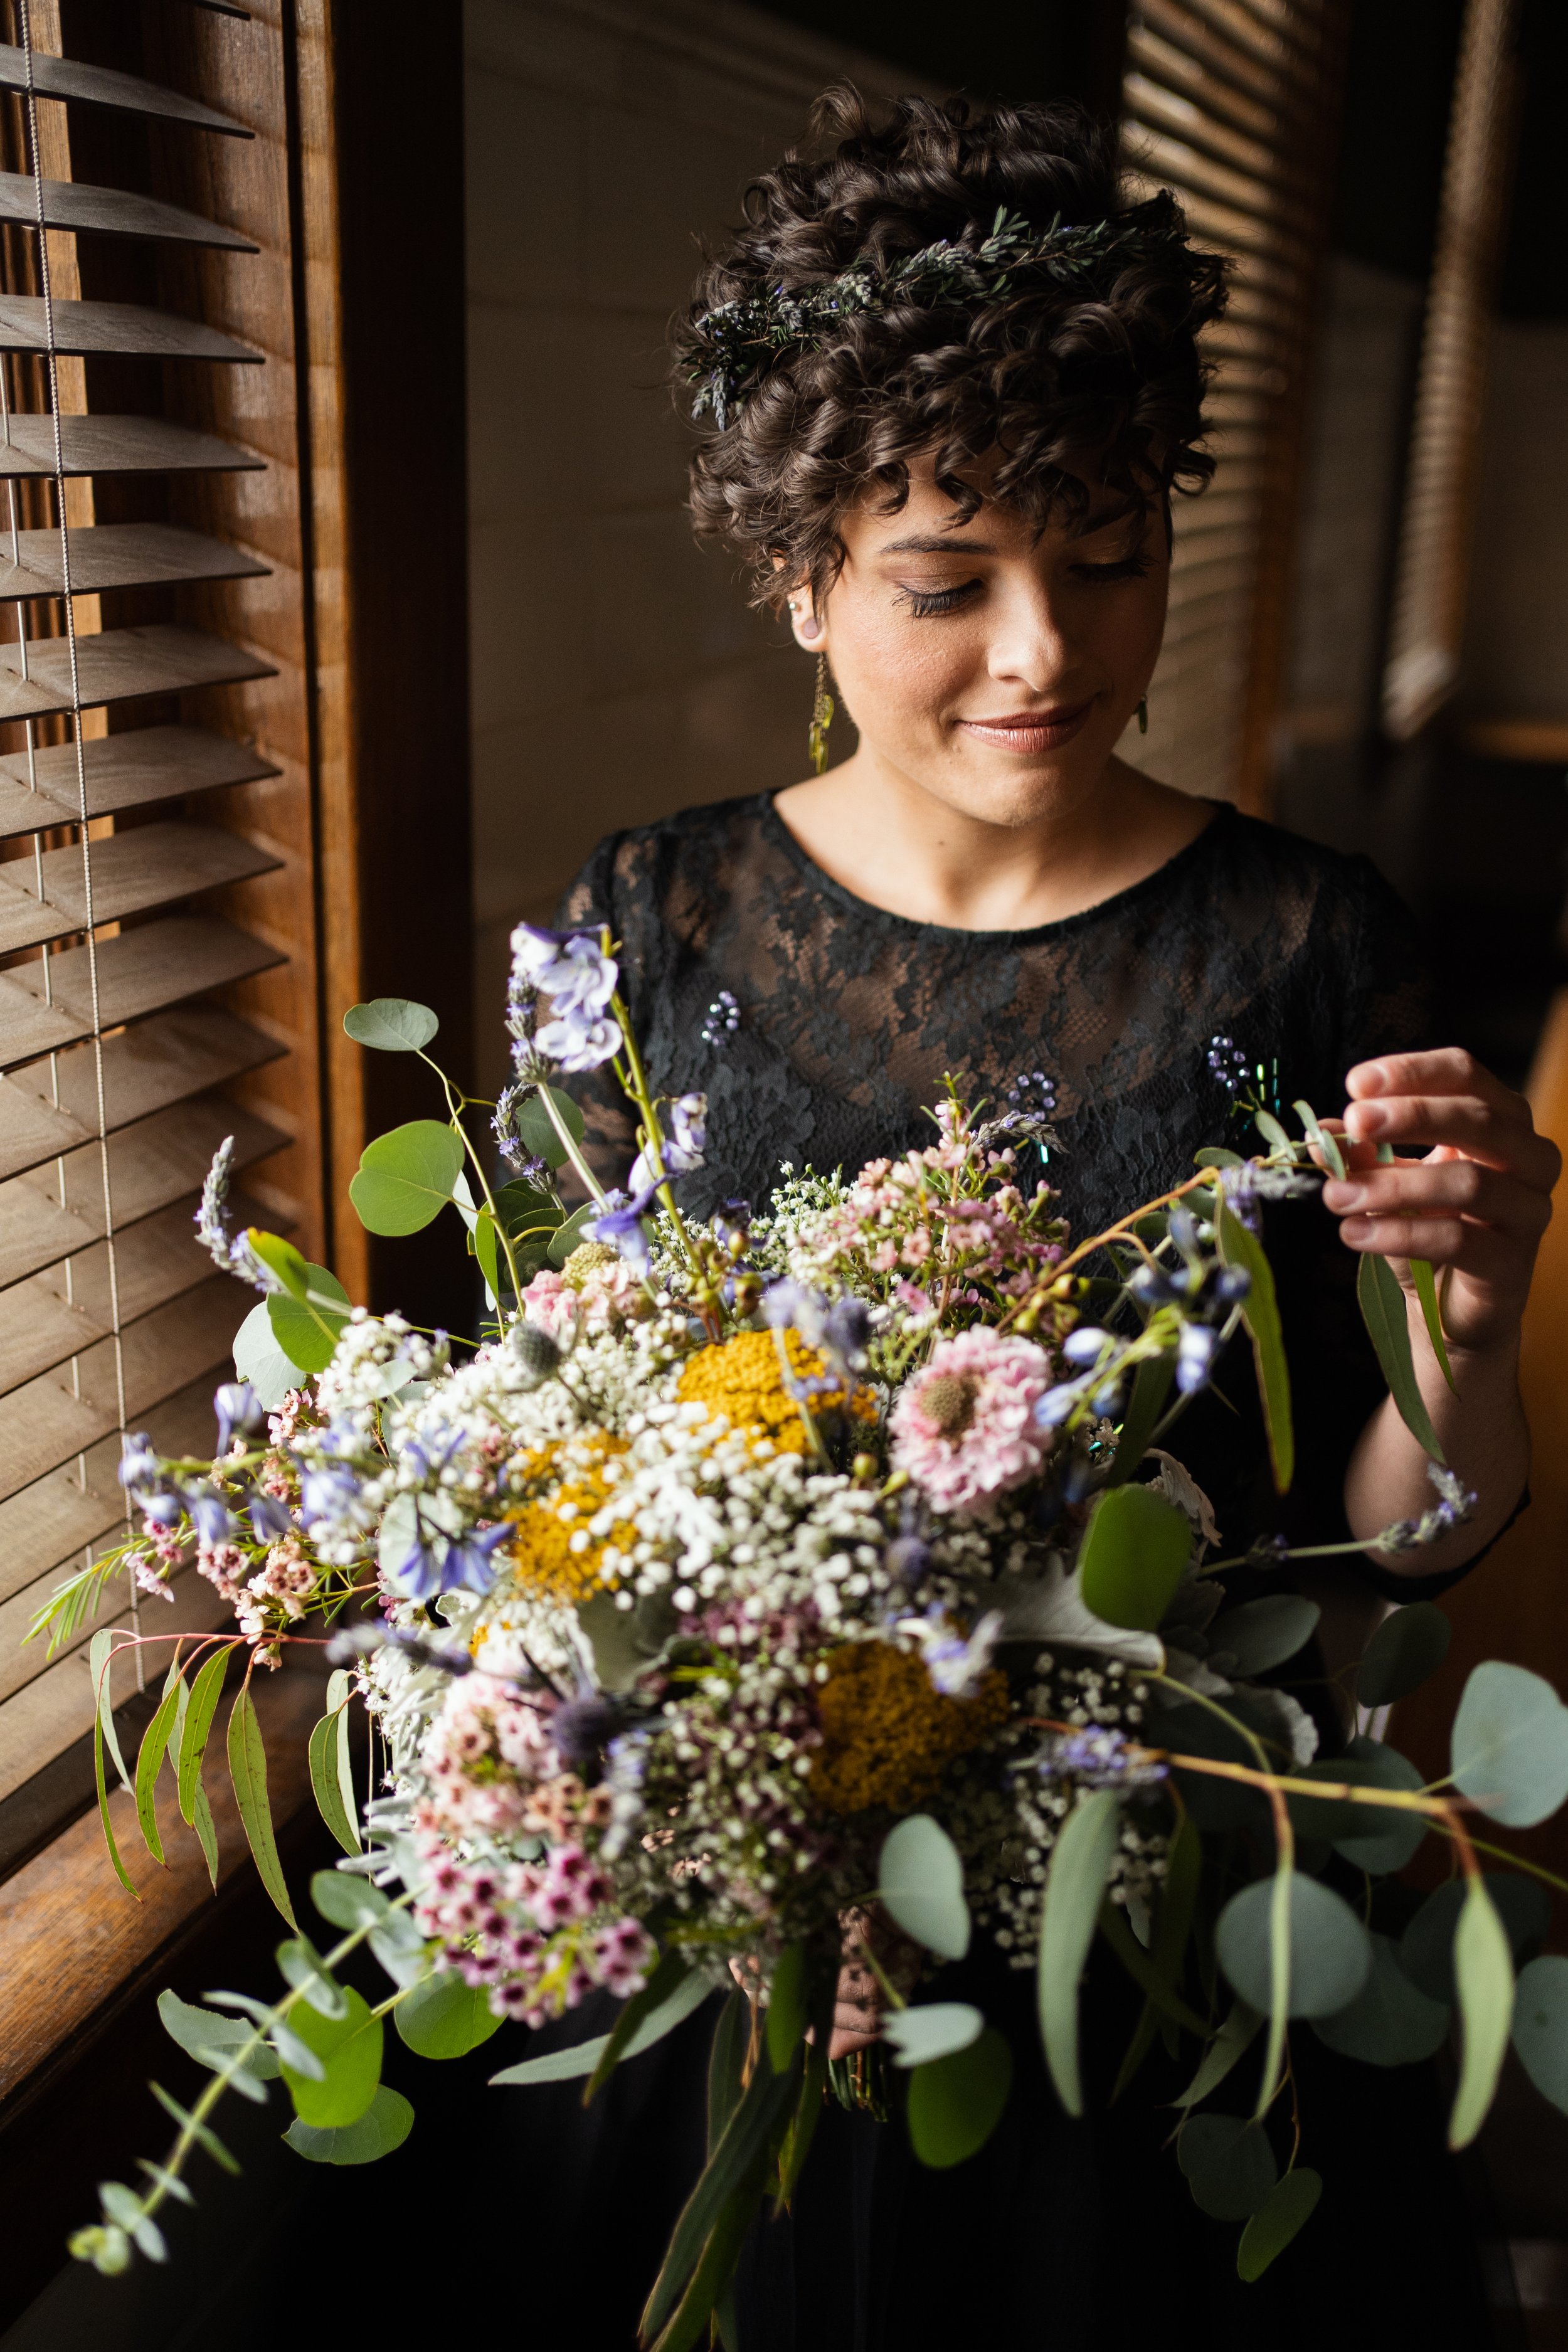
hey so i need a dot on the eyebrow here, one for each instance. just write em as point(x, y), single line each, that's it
point(942, 543)
point(939, 545)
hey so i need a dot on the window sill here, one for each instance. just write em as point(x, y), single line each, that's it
point(74, 1946)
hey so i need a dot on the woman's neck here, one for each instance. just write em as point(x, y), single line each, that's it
point(884, 837)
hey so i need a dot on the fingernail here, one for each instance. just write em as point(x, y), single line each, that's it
point(1342, 1196)
point(1366, 1118)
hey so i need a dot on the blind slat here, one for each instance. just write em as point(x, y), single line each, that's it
point(120, 665)
point(119, 444)
point(43, 1424)
point(156, 1261)
point(132, 872)
point(52, 1108)
point(123, 771)
point(119, 93)
point(127, 329)
point(110, 212)
point(1174, 69)
point(141, 971)
point(158, 1161)
point(48, 1524)
point(117, 555)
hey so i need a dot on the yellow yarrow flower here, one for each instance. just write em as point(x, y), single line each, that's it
point(887, 1733)
point(552, 1555)
point(743, 1379)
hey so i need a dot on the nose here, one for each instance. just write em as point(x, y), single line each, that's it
point(1028, 647)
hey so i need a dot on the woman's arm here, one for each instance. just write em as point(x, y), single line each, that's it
point(1476, 1206)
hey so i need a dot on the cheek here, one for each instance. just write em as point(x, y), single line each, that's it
point(904, 672)
point(1129, 624)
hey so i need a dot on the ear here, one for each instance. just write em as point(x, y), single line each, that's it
point(804, 624)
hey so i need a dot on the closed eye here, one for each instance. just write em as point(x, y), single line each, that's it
point(1127, 567)
point(926, 603)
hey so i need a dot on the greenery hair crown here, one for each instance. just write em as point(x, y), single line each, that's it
point(737, 342)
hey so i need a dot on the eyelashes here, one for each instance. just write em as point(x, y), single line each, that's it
point(929, 604)
point(924, 603)
point(1128, 567)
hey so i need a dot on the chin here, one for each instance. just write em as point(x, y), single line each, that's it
point(1014, 797)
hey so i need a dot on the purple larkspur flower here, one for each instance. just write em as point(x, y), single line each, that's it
point(621, 1223)
point(239, 1412)
point(1099, 1758)
point(268, 1517)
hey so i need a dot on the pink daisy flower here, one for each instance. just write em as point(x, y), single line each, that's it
point(964, 1427)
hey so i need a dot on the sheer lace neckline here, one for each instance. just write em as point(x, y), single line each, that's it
point(1160, 877)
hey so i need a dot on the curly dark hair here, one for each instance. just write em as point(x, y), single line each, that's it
point(1093, 373)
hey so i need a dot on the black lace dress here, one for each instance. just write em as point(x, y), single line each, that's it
point(818, 1026)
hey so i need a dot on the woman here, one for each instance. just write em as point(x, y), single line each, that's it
point(958, 478)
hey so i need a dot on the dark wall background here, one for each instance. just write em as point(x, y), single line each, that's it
point(1007, 48)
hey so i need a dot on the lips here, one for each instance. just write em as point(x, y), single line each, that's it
point(1030, 732)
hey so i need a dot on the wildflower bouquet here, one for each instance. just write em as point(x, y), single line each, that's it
point(812, 1581)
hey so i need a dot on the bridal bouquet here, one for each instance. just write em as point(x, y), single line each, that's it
point(816, 1581)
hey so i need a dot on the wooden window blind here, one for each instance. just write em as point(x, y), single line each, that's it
point(1427, 621)
point(159, 858)
point(1232, 103)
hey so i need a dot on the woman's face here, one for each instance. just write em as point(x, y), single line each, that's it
point(990, 663)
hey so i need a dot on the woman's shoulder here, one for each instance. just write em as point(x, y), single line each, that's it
point(1333, 920)
point(691, 849)
point(1253, 846)
point(1305, 891)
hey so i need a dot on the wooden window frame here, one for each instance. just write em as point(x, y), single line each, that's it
point(369, 110)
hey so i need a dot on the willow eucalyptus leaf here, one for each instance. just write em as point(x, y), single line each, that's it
point(1407, 1648)
point(385, 2126)
point(933, 2030)
point(1288, 2210)
point(1329, 1950)
point(1229, 2165)
point(955, 2102)
point(1262, 1634)
point(1509, 1744)
point(1483, 1972)
point(1541, 2026)
point(1382, 1299)
point(392, 1024)
point(1075, 1887)
point(1134, 1557)
point(920, 1886)
point(1391, 2022)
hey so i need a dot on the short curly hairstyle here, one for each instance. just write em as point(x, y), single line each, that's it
point(1094, 375)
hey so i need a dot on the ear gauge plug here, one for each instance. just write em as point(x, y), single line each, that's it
point(811, 628)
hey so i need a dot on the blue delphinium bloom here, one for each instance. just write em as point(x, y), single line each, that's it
point(621, 1223)
point(239, 1412)
point(268, 1517)
point(1099, 1758)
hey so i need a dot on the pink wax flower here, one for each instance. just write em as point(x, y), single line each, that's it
point(552, 1304)
point(965, 1428)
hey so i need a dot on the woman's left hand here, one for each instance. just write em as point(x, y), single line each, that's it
point(1476, 1204)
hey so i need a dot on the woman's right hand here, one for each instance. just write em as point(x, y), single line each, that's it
point(858, 2009)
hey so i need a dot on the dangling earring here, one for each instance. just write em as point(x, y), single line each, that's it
point(821, 718)
point(1144, 717)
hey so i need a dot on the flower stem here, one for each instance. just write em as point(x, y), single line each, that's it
point(569, 1145)
point(456, 1103)
point(190, 2132)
